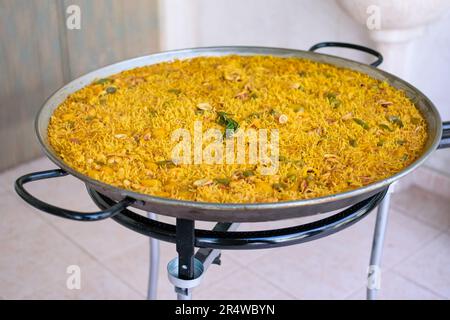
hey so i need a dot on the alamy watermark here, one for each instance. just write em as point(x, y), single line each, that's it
point(215, 147)
point(73, 19)
point(73, 281)
point(373, 21)
point(374, 277)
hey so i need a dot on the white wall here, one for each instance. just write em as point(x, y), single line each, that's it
point(430, 69)
point(300, 24)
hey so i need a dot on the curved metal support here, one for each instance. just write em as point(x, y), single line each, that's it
point(445, 140)
point(375, 53)
point(107, 212)
point(154, 264)
point(241, 240)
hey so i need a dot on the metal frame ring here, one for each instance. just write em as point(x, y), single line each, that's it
point(244, 240)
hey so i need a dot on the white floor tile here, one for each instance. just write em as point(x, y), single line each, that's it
point(396, 287)
point(429, 267)
point(36, 248)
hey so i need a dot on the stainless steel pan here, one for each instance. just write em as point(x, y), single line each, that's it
point(438, 137)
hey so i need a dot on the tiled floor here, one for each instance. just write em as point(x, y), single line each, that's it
point(36, 249)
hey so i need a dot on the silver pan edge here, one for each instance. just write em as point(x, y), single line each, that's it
point(238, 212)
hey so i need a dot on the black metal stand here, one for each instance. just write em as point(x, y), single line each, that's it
point(185, 248)
point(186, 271)
point(242, 240)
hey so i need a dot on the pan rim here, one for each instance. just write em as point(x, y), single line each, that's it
point(243, 50)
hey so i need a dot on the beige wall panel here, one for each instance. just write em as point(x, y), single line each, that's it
point(38, 54)
point(30, 70)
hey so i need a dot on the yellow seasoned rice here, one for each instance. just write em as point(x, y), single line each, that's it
point(339, 129)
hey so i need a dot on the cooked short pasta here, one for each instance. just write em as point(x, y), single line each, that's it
point(338, 129)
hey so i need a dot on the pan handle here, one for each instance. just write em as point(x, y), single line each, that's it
point(60, 212)
point(445, 140)
point(350, 46)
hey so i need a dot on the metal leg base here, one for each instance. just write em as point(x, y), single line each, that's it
point(154, 264)
point(189, 274)
point(374, 270)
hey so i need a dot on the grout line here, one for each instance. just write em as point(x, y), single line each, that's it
point(4, 186)
point(273, 284)
point(45, 222)
point(437, 171)
point(79, 246)
point(419, 284)
point(121, 280)
point(99, 262)
point(404, 212)
point(86, 208)
point(419, 249)
point(251, 260)
point(268, 280)
point(384, 270)
point(257, 276)
point(354, 292)
point(424, 189)
point(391, 268)
point(119, 276)
point(226, 275)
point(37, 214)
point(65, 236)
point(6, 192)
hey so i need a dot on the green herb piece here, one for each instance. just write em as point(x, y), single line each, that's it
point(395, 120)
point(291, 177)
point(279, 186)
point(230, 125)
point(111, 90)
point(165, 163)
point(353, 142)
point(400, 142)
point(222, 181)
point(415, 121)
point(331, 95)
point(299, 163)
point(248, 173)
point(253, 115)
point(298, 108)
point(302, 74)
point(333, 100)
point(385, 127)
point(273, 112)
point(103, 81)
point(152, 112)
point(381, 143)
point(174, 91)
point(362, 123)
point(405, 157)
point(253, 95)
